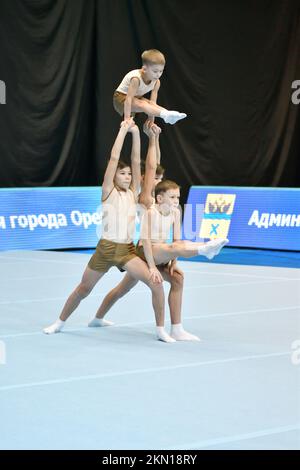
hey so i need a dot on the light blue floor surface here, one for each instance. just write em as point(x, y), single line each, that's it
point(119, 388)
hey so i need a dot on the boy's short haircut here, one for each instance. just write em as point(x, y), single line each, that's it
point(159, 169)
point(153, 56)
point(164, 186)
point(122, 164)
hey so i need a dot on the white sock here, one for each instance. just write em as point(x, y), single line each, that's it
point(179, 333)
point(212, 248)
point(96, 322)
point(171, 117)
point(164, 113)
point(163, 335)
point(55, 328)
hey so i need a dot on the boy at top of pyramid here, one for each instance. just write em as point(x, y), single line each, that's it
point(129, 96)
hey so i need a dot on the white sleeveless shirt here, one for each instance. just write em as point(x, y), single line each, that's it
point(142, 89)
point(159, 228)
point(118, 219)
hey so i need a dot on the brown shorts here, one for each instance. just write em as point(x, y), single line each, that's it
point(110, 254)
point(140, 252)
point(118, 102)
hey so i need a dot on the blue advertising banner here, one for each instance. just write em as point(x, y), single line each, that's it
point(45, 218)
point(248, 217)
point(49, 218)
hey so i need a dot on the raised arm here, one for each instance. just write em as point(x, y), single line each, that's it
point(135, 160)
point(157, 131)
point(133, 87)
point(157, 146)
point(150, 168)
point(108, 181)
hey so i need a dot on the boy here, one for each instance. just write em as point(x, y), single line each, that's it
point(174, 278)
point(115, 248)
point(169, 271)
point(155, 230)
point(129, 96)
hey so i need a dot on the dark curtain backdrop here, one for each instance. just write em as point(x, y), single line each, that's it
point(230, 67)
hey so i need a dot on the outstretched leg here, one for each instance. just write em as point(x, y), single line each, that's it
point(142, 105)
point(127, 283)
point(163, 252)
point(88, 282)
